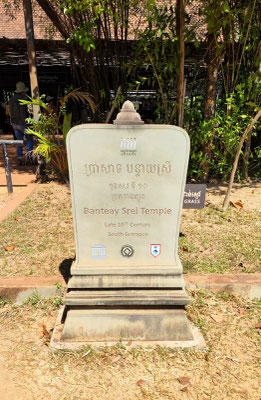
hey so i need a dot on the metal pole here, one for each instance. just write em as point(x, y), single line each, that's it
point(6, 161)
point(7, 169)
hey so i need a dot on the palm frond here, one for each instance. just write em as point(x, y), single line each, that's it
point(35, 102)
point(79, 97)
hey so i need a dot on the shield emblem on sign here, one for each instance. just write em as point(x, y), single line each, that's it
point(155, 250)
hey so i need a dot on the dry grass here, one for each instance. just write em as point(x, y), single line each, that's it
point(229, 370)
point(41, 231)
point(221, 242)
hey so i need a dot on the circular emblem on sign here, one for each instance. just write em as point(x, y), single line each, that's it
point(127, 251)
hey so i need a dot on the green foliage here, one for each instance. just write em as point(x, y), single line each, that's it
point(225, 131)
point(90, 26)
point(3, 302)
point(154, 64)
point(51, 126)
point(44, 303)
point(34, 300)
point(95, 18)
point(11, 7)
point(95, 29)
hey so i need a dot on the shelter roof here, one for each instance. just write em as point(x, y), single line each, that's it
point(48, 52)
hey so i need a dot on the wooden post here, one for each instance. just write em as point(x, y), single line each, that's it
point(29, 29)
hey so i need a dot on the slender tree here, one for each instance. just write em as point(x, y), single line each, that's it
point(98, 33)
point(180, 22)
point(235, 164)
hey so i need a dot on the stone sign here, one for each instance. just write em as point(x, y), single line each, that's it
point(126, 202)
point(127, 186)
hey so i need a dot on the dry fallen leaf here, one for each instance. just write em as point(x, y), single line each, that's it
point(184, 249)
point(129, 343)
point(184, 380)
point(236, 204)
point(9, 248)
point(184, 389)
point(45, 331)
point(140, 382)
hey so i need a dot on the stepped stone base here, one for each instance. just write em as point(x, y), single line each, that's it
point(61, 338)
point(106, 281)
point(126, 324)
point(131, 314)
point(133, 305)
point(115, 298)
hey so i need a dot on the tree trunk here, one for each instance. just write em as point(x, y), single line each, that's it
point(213, 61)
point(29, 29)
point(180, 17)
point(232, 176)
point(246, 156)
point(54, 17)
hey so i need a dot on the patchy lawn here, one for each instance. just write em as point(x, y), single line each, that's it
point(37, 238)
point(229, 369)
point(220, 242)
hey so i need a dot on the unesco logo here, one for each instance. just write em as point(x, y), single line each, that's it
point(127, 251)
point(128, 146)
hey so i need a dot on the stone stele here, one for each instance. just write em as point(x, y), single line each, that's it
point(127, 186)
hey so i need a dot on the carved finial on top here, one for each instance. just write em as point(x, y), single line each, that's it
point(128, 115)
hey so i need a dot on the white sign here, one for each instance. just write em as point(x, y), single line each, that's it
point(127, 194)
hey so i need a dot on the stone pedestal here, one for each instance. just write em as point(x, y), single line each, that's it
point(127, 183)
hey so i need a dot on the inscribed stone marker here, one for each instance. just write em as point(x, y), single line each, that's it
point(127, 185)
point(127, 192)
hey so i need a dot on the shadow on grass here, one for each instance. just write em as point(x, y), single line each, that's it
point(221, 189)
point(65, 268)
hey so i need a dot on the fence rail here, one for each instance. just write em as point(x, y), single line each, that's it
point(4, 144)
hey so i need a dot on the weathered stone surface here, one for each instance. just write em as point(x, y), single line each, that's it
point(113, 325)
point(127, 195)
point(127, 297)
point(138, 280)
point(127, 185)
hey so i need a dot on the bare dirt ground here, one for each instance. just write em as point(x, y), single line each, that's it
point(248, 193)
point(228, 370)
